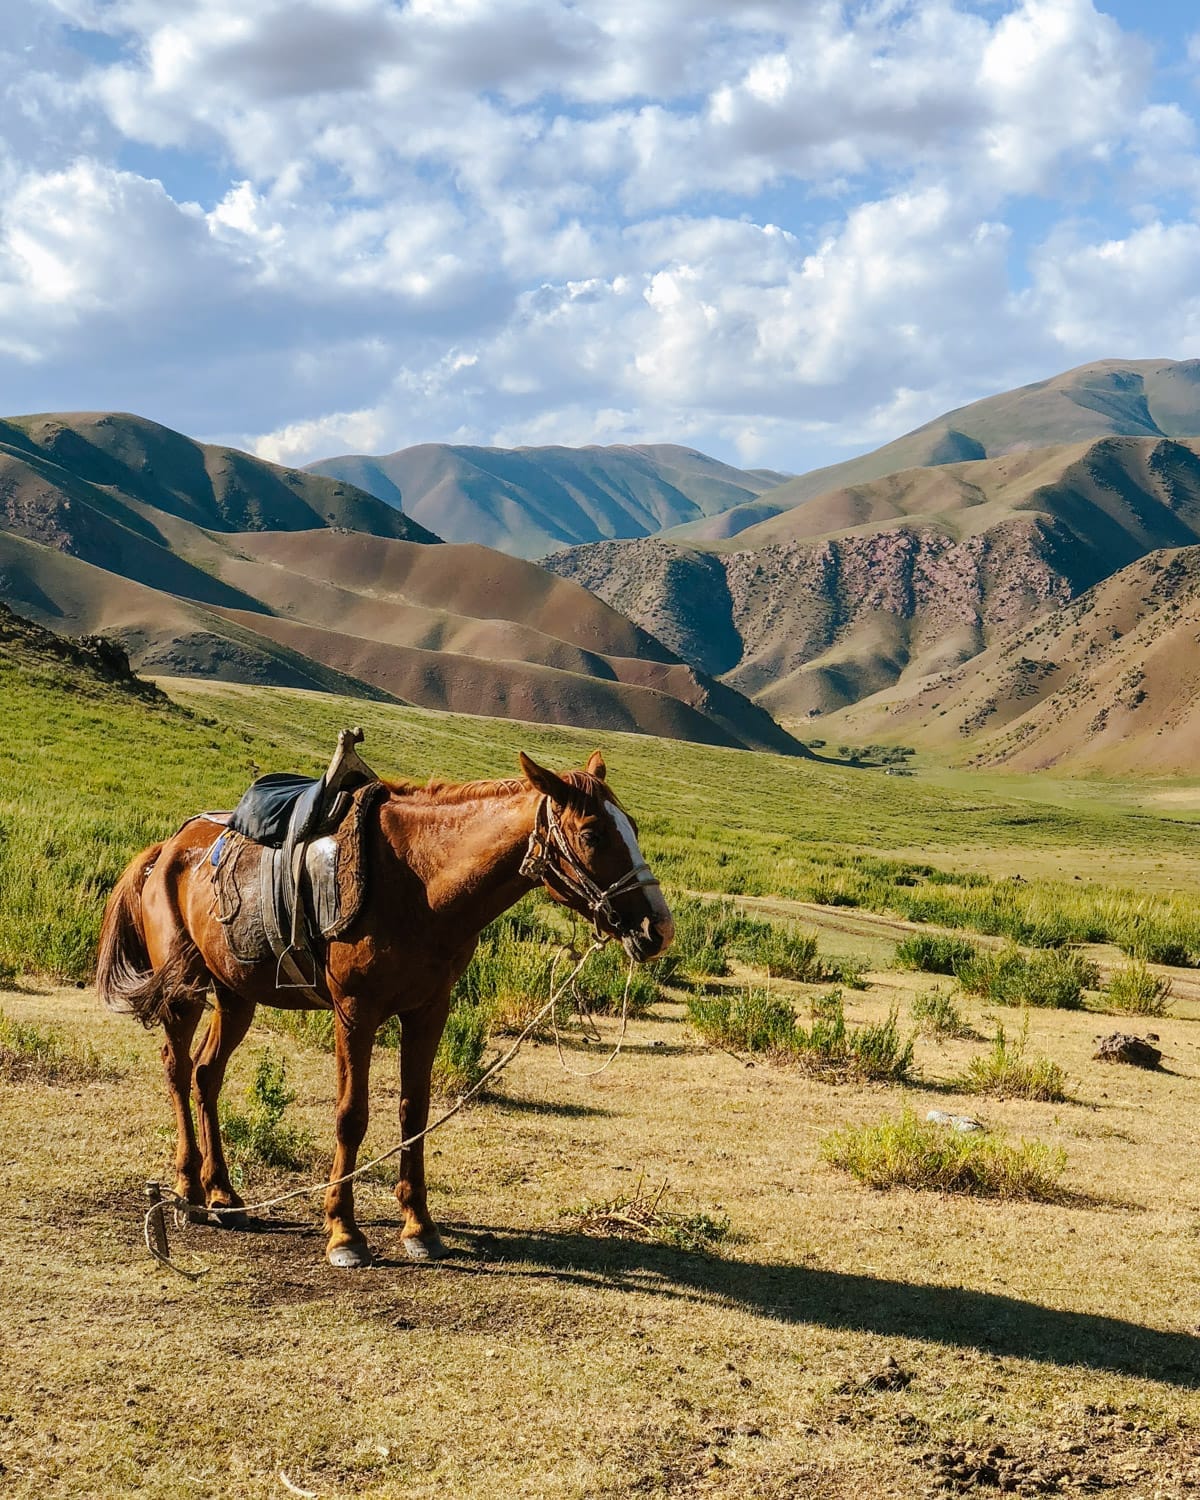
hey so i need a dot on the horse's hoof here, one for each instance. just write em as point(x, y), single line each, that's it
point(227, 1216)
point(352, 1256)
point(424, 1246)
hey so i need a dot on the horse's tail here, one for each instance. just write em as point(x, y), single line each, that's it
point(126, 980)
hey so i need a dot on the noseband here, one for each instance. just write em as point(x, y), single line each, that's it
point(548, 854)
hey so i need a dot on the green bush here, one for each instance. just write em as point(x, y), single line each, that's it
point(602, 983)
point(912, 1153)
point(1007, 1072)
point(1048, 977)
point(1138, 991)
point(458, 1064)
point(746, 1020)
point(933, 953)
point(755, 1020)
point(935, 1014)
point(260, 1136)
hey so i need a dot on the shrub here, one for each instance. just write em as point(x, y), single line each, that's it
point(931, 953)
point(935, 1014)
point(1138, 991)
point(602, 983)
point(260, 1136)
point(754, 1020)
point(912, 1153)
point(877, 1052)
point(44, 1054)
point(1007, 1072)
point(508, 979)
point(458, 1064)
point(747, 1020)
point(1048, 977)
point(784, 952)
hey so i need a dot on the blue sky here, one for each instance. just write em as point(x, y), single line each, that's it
point(780, 233)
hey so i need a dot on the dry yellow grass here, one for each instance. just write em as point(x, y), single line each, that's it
point(543, 1361)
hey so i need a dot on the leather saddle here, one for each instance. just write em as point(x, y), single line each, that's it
point(290, 866)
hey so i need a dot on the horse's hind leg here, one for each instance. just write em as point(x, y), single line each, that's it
point(227, 1026)
point(179, 1022)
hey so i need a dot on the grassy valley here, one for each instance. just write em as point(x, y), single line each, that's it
point(667, 1279)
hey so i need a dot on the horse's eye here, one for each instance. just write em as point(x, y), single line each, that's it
point(591, 839)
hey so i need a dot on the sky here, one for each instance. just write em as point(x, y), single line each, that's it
point(779, 232)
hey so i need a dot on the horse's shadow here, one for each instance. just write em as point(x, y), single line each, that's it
point(954, 1316)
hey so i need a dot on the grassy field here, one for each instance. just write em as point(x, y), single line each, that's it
point(85, 780)
point(544, 1360)
point(834, 1341)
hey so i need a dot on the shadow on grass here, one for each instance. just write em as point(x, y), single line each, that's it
point(954, 1316)
point(509, 1104)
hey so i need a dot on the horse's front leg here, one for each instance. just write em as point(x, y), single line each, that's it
point(420, 1035)
point(347, 1248)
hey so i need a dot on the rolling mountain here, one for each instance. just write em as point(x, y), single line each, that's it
point(1110, 682)
point(528, 501)
point(891, 580)
point(1109, 398)
point(105, 460)
point(113, 525)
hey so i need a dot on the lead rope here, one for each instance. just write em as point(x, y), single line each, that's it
point(171, 1199)
point(616, 1051)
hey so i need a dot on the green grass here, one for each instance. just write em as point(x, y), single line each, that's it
point(934, 953)
point(1050, 978)
point(1009, 1073)
point(44, 1054)
point(259, 1135)
point(912, 1153)
point(1138, 991)
point(755, 1020)
point(935, 1014)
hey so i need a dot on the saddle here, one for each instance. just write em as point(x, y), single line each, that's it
point(290, 868)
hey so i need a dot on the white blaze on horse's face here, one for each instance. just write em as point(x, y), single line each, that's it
point(659, 927)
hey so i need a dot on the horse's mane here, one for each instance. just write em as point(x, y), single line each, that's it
point(449, 793)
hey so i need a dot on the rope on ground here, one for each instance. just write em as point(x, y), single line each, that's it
point(172, 1199)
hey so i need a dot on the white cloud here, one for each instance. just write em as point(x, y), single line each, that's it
point(770, 226)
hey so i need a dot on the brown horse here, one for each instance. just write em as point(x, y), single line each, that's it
point(443, 861)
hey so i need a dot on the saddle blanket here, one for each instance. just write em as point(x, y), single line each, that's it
point(253, 884)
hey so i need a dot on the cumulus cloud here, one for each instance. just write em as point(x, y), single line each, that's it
point(766, 227)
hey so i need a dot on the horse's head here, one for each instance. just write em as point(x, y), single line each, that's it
point(584, 850)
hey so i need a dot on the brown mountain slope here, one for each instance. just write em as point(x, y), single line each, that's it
point(1120, 398)
point(1111, 683)
point(347, 612)
point(890, 581)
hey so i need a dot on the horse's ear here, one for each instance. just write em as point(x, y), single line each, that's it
point(545, 781)
point(596, 766)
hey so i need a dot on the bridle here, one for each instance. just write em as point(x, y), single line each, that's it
point(549, 855)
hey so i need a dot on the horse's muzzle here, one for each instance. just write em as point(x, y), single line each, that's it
point(650, 940)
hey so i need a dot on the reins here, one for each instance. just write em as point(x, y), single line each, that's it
point(153, 1225)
